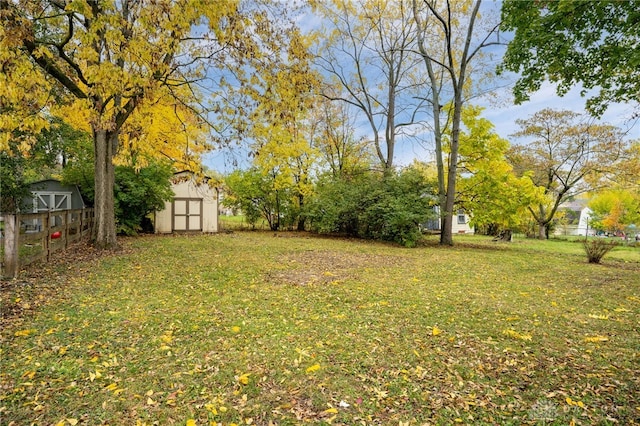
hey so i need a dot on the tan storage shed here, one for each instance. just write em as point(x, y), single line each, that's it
point(194, 207)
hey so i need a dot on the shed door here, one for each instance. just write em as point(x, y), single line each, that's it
point(187, 214)
point(51, 201)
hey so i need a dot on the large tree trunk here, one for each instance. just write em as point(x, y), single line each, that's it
point(446, 236)
point(542, 231)
point(301, 217)
point(104, 227)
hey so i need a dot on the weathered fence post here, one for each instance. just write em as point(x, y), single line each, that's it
point(11, 245)
point(47, 242)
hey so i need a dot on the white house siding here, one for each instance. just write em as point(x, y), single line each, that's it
point(194, 208)
point(583, 223)
point(461, 228)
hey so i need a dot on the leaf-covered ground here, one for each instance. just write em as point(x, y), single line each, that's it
point(248, 328)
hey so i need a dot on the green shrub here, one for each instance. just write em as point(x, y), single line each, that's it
point(374, 206)
point(138, 193)
point(597, 248)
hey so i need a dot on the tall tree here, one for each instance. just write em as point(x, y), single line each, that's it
point(451, 38)
point(335, 138)
point(616, 210)
point(567, 154)
point(488, 187)
point(570, 42)
point(367, 57)
point(110, 56)
point(280, 126)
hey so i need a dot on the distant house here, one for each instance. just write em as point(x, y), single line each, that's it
point(194, 207)
point(576, 217)
point(460, 223)
point(52, 195)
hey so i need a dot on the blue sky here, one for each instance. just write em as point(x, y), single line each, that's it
point(502, 114)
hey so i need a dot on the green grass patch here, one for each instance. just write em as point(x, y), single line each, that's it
point(239, 223)
point(252, 328)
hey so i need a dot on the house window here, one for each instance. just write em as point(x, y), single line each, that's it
point(462, 218)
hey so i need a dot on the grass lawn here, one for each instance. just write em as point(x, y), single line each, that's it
point(252, 328)
point(240, 223)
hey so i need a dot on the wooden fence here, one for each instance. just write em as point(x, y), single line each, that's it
point(27, 238)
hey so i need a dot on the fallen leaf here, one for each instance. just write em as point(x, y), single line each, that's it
point(244, 379)
point(515, 335)
point(596, 339)
point(313, 368)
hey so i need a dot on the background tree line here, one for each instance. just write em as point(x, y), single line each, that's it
point(150, 88)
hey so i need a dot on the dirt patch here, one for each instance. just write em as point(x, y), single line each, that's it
point(323, 267)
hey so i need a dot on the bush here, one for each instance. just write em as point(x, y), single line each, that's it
point(388, 208)
point(138, 193)
point(597, 248)
point(255, 194)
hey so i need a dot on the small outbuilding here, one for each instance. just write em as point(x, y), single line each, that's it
point(576, 218)
point(194, 207)
point(52, 195)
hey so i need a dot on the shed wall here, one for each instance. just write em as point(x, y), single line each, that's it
point(164, 220)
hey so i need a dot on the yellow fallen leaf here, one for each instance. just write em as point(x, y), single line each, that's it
point(72, 422)
point(112, 386)
point(235, 329)
point(515, 335)
point(23, 333)
point(244, 379)
point(435, 331)
point(150, 401)
point(602, 317)
point(313, 368)
point(596, 339)
point(191, 422)
point(331, 410)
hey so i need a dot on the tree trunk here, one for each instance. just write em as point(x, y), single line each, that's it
point(446, 236)
point(104, 228)
point(542, 231)
point(504, 235)
point(301, 216)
